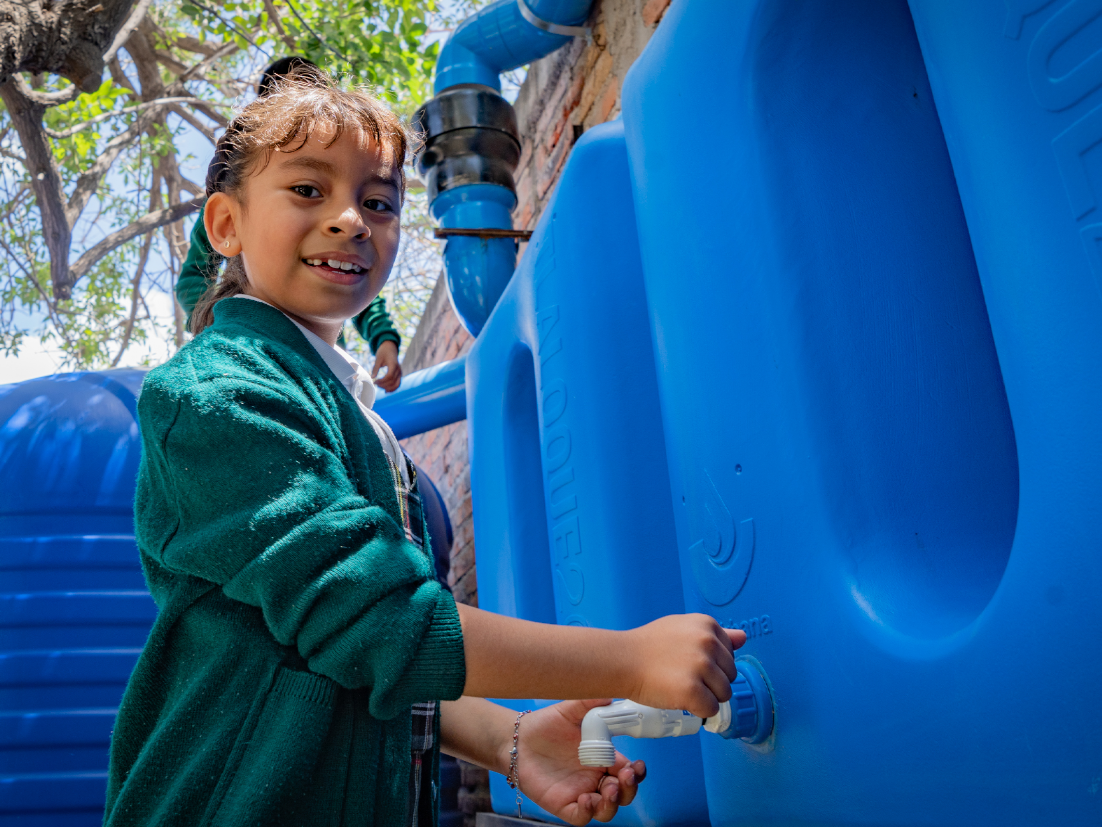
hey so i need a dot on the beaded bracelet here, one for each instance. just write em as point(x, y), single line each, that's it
point(513, 779)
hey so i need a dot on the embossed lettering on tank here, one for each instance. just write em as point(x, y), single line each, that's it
point(558, 468)
point(722, 557)
point(754, 627)
point(1060, 91)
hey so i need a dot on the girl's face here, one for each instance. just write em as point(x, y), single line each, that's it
point(317, 228)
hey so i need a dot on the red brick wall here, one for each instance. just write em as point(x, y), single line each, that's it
point(443, 453)
point(565, 94)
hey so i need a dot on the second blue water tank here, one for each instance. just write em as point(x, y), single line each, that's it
point(572, 514)
point(74, 610)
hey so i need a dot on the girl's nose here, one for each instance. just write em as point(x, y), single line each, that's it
point(351, 222)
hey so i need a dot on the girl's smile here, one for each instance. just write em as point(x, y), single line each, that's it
point(337, 267)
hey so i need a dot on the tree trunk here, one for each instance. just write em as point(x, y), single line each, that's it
point(60, 37)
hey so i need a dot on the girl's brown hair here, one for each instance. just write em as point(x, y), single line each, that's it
point(283, 118)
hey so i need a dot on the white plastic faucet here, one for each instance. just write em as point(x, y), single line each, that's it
point(638, 721)
point(750, 719)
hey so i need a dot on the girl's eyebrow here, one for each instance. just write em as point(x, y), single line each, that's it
point(307, 162)
point(319, 165)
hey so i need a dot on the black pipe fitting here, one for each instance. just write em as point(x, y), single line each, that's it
point(470, 136)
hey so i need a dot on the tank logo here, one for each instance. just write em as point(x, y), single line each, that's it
point(721, 559)
point(754, 627)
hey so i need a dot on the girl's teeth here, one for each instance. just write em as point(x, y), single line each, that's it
point(336, 265)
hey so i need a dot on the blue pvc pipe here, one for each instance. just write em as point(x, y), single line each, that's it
point(492, 41)
point(498, 38)
point(428, 399)
point(478, 269)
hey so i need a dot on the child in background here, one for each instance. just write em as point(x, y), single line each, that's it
point(305, 667)
point(200, 270)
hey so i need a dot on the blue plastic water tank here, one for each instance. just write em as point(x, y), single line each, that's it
point(74, 610)
point(573, 520)
point(918, 576)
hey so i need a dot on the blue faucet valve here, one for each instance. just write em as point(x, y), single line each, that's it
point(751, 704)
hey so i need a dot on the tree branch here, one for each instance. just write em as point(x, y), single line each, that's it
point(136, 282)
point(127, 29)
point(120, 78)
point(315, 34)
point(178, 89)
point(89, 180)
point(26, 117)
point(116, 239)
point(73, 130)
point(195, 123)
point(28, 273)
point(170, 172)
point(273, 15)
point(135, 290)
point(187, 43)
point(225, 50)
point(66, 38)
point(182, 71)
point(191, 187)
point(229, 25)
point(15, 156)
point(66, 95)
point(169, 62)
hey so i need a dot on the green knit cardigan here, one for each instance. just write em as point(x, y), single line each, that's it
point(296, 623)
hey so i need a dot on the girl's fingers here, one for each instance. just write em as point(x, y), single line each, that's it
point(736, 636)
point(718, 683)
point(609, 790)
point(725, 660)
point(583, 810)
point(704, 705)
point(574, 711)
point(629, 785)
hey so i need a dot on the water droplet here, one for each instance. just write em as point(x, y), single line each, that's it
point(738, 469)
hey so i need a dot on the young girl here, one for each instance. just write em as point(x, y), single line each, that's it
point(305, 667)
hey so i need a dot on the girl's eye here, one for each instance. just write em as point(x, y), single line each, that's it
point(377, 205)
point(306, 190)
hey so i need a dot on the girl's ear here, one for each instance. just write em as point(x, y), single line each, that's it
point(220, 220)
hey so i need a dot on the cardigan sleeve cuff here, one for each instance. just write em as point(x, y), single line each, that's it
point(386, 336)
point(438, 670)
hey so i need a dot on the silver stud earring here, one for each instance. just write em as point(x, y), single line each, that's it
point(227, 244)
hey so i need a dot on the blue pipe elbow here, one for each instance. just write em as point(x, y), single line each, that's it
point(472, 146)
point(498, 38)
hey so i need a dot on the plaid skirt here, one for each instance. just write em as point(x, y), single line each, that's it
point(421, 782)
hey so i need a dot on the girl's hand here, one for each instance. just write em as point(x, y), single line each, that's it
point(387, 357)
point(684, 662)
point(550, 774)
